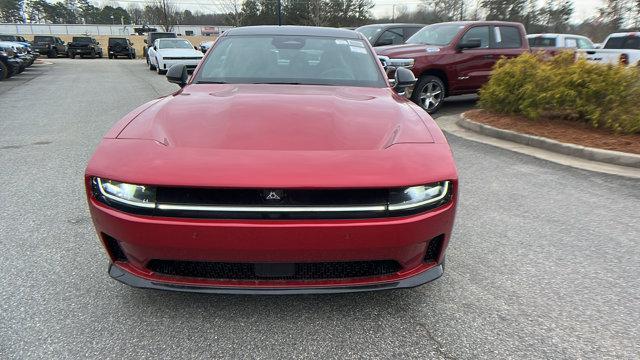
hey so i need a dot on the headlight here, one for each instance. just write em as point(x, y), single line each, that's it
point(418, 196)
point(129, 194)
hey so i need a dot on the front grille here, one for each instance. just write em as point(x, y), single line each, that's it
point(273, 271)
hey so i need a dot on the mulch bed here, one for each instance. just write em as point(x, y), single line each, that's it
point(561, 130)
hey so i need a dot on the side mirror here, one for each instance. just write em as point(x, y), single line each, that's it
point(404, 79)
point(195, 48)
point(155, 48)
point(97, 43)
point(469, 44)
point(384, 42)
point(178, 74)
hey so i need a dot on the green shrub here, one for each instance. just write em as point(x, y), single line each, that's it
point(603, 96)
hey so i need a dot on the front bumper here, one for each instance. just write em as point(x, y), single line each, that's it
point(144, 239)
point(83, 51)
point(130, 279)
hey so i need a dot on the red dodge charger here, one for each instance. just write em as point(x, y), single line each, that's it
point(287, 163)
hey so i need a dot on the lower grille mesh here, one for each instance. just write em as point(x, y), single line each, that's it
point(292, 271)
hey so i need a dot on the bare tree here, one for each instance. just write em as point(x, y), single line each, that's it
point(233, 10)
point(166, 13)
point(317, 12)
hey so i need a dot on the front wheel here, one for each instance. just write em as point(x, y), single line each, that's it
point(71, 55)
point(429, 93)
point(151, 67)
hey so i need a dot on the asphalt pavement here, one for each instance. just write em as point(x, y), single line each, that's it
point(544, 261)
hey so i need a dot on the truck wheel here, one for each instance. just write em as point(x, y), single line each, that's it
point(93, 54)
point(429, 93)
point(52, 54)
point(71, 55)
point(110, 56)
point(100, 55)
point(151, 67)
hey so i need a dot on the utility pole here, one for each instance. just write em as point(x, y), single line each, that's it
point(279, 12)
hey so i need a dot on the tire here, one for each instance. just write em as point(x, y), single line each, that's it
point(5, 71)
point(52, 54)
point(161, 72)
point(71, 55)
point(110, 56)
point(100, 55)
point(93, 54)
point(151, 67)
point(429, 93)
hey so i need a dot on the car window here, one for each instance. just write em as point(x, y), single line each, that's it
point(409, 31)
point(540, 41)
point(584, 44)
point(391, 36)
point(479, 32)
point(623, 42)
point(571, 43)
point(369, 31)
point(284, 59)
point(507, 37)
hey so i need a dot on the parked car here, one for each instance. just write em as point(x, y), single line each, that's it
point(205, 46)
point(84, 46)
point(52, 46)
point(152, 37)
point(24, 59)
point(619, 48)
point(388, 34)
point(20, 40)
point(270, 172)
point(166, 52)
point(119, 46)
point(9, 62)
point(456, 58)
point(552, 44)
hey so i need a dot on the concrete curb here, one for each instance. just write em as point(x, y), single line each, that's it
point(605, 156)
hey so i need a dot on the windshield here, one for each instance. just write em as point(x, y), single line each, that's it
point(48, 39)
point(369, 31)
point(279, 59)
point(623, 42)
point(114, 41)
point(7, 38)
point(174, 44)
point(81, 39)
point(438, 34)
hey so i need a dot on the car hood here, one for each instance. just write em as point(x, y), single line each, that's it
point(408, 50)
point(280, 118)
point(179, 52)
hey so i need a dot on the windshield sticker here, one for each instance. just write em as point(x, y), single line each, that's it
point(432, 49)
point(357, 49)
point(341, 42)
point(356, 43)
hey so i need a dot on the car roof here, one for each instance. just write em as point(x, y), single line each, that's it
point(621, 34)
point(293, 31)
point(554, 35)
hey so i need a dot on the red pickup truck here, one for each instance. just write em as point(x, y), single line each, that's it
point(456, 58)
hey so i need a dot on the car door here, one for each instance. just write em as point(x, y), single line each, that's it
point(473, 66)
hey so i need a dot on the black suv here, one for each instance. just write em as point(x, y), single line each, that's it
point(84, 46)
point(388, 34)
point(119, 46)
point(153, 36)
point(52, 46)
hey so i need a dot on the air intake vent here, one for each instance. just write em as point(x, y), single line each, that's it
point(114, 248)
point(434, 248)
